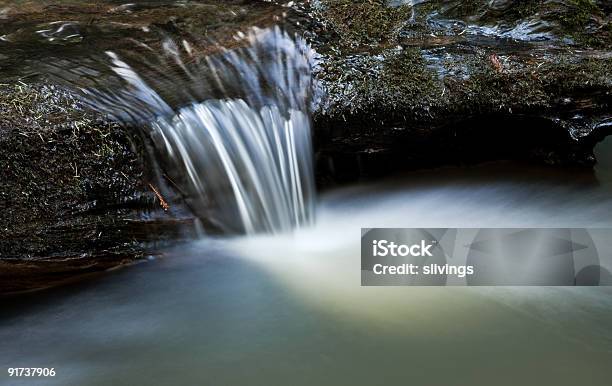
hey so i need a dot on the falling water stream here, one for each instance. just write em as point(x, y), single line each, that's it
point(287, 308)
point(232, 128)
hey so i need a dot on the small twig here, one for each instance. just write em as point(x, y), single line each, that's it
point(497, 64)
point(162, 202)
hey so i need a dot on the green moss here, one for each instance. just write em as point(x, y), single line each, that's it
point(364, 22)
point(578, 13)
point(69, 178)
point(57, 156)
point(575, 17)
point(570, 76)
point(527, 8)
point(393, 87)
point(408, 80)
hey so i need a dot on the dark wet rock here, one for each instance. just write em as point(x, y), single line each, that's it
point(415, 83)
point(74, 194)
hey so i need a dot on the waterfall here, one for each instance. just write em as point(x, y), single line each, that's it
point(232, 127)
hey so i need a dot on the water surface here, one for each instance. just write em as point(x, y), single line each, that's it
point(290, 310)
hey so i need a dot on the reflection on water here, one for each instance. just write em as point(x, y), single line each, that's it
point(289, 310)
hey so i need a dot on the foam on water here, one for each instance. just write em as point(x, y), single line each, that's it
point(322, 264)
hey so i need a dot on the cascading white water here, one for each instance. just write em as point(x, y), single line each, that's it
point(261, 156)
point(233, 127)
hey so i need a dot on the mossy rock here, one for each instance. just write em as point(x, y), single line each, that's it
point(438, 63)
point(363, 23)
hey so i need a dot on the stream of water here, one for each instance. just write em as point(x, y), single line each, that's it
point(282, 307)
point(290, 310)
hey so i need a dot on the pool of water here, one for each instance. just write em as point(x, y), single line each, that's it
point(290, 309)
